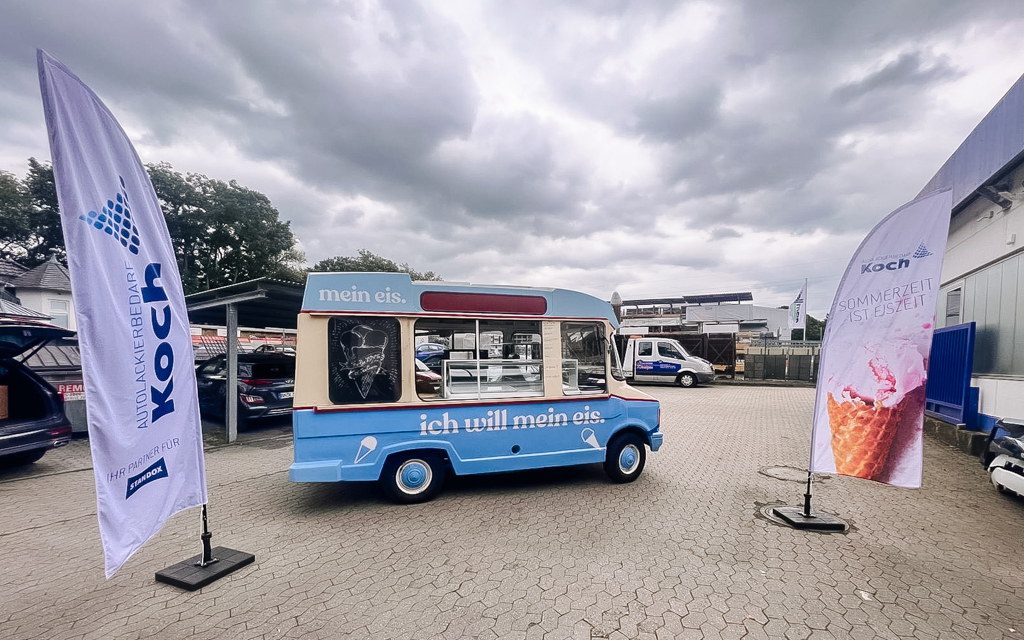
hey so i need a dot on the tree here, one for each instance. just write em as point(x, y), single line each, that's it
point(815, 330)
point(369, 261)
point(223, 232)
point(14, 225)
point(29, 216)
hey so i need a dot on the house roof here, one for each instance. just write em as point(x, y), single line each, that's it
point(50, 275)
point(61, 354)
point(11, 310)
point(9, 270)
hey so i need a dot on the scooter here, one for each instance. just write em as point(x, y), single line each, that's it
point(1004, 456)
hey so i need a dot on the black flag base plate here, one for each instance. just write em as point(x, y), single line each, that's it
point(187, 574)
point(818, 520)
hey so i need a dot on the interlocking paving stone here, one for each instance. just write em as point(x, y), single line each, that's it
point(684, 552)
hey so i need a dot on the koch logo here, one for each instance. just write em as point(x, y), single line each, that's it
point(155, 471)
point(115, 219)
point(894, 262)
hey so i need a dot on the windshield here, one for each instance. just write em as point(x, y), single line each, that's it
point(672, 349)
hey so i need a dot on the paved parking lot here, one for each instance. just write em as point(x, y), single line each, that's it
point(685, 552)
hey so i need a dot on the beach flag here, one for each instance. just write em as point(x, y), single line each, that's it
point(869, 408)
point(133, 330)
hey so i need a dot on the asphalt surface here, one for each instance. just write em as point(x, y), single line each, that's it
point(687, 551)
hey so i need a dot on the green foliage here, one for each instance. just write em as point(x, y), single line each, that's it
point(29, 216)
point(815, 330)
point(369, 261)
point(223, 232)
point(14, 224)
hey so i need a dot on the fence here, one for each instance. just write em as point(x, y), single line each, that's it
point(949, 396)
point(717, 348)
point(770, 359)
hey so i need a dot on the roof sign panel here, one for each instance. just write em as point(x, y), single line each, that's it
point(482, 303)
point(397, 294)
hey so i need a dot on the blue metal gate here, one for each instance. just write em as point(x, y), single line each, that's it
point(948, 394)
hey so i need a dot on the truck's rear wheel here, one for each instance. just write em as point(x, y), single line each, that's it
point(412, 477)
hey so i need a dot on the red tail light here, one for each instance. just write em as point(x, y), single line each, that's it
point(256, 382)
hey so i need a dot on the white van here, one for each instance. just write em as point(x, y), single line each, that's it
point(648, 359)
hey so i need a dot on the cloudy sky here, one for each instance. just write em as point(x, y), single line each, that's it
point(649, 148)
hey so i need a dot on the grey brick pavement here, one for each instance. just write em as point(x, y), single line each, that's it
point(684, 552)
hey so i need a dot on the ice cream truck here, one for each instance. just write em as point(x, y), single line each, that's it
point(528, 378)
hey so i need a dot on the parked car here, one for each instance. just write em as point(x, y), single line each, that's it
point(274, 348)
point(266, 385)
point(427, 350)
point(32, 419)
point(427, 382)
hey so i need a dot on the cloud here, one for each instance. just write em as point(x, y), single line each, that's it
point(661, 147)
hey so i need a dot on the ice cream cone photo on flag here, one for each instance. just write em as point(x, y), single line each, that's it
point(873, 426)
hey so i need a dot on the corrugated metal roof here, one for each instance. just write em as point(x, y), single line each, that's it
point(8, 308)
point(50, 275)
point(279, 308)
point(988, 151)
point(59, 355)
point(711, 298)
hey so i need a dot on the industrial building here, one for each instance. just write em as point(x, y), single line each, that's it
point(983, 274)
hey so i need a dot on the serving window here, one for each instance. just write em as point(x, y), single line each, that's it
point(584, 368)
point(363, 360)
point(480, 359)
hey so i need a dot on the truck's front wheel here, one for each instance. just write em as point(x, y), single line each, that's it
point(412, 477)
point(687, 379)
point(625, 457)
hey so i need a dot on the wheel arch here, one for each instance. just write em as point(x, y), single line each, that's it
point(635, 429)
point(440, 448)
point(683, 372)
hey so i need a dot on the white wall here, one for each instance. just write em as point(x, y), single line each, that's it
point(39, 300)
point(980, 235)
point(777, 320)
point(983, 233)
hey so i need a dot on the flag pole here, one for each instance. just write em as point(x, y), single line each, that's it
point(806, 518)
point(207, 558)
point(810, 476)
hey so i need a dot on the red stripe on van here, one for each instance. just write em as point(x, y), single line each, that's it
point(482, 303)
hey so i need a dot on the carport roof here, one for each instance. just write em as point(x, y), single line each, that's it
point(261, 303)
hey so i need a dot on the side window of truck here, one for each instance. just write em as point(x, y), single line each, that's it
point(487, 359)
point(643, 349)
point(363, 360)
point(666, 350)
point(583, 358)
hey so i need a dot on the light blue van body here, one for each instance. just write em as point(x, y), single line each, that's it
point(352, 442)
